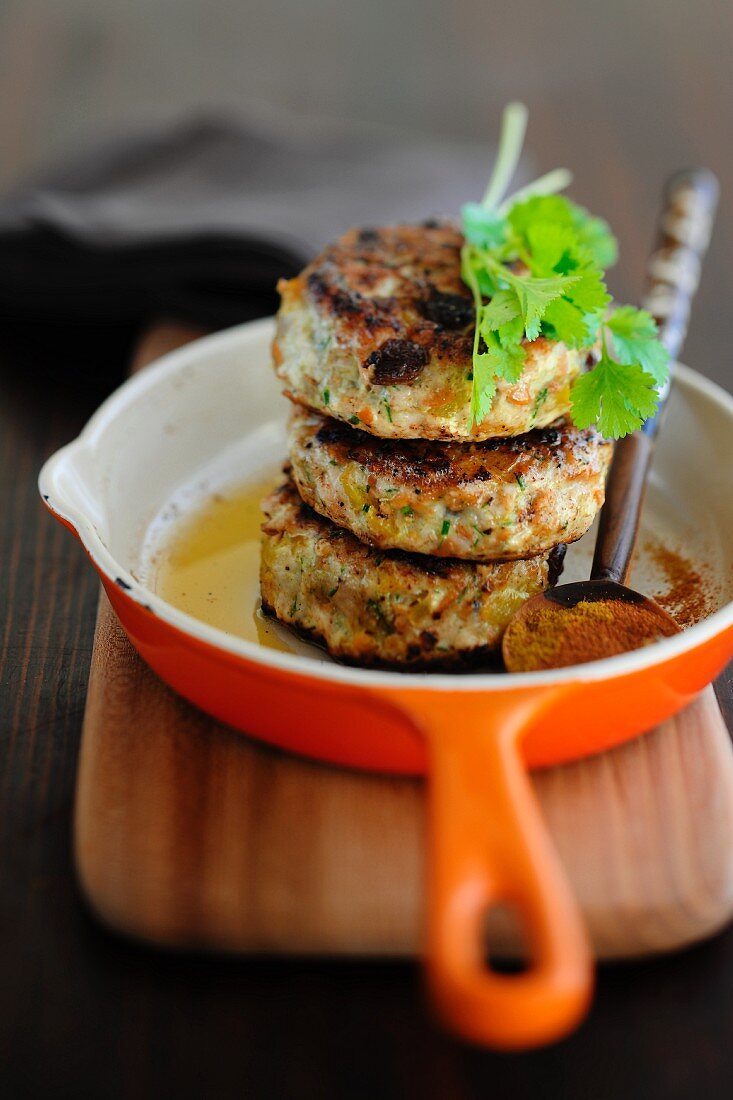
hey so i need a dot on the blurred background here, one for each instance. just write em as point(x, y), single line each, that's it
point(623, 91)
point(72, 69)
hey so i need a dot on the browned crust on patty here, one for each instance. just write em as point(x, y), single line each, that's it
point(438, 467)
point(397, 296)
point(486, 658)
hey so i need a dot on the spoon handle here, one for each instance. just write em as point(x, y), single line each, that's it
point(672, 276)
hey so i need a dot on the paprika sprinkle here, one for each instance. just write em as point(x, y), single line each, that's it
point(688, 594)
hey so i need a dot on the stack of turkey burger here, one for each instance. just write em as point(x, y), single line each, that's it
point(404, 534)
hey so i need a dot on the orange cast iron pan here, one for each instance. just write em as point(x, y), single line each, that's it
point(474, 736)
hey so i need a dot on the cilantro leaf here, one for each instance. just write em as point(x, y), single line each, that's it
point(618, 397)
point(594, 235)
point(481, 227)
point(503, 307)
point(591, 234)
point(635, 341)
point(552, 209)
point(549, 245)
point(484, 386)
point(534, 295)
point(588, 292)
point(568, 323)
point(507, 355)
point(499, 360)
point(511, 333)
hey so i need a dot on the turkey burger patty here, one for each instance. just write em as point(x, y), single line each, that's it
point(378, 331)
point(396, 609)
point(501, 499)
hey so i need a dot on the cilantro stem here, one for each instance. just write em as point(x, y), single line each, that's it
point(549, 184)
point(469, 277)
point(513, 127)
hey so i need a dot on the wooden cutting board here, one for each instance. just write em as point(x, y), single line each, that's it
point(189, 835)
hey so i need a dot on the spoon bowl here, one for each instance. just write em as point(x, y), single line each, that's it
point(581, 622)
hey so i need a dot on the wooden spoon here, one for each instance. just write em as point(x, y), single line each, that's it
point(593, 619)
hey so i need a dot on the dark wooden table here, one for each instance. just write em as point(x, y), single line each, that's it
point(83, 1014)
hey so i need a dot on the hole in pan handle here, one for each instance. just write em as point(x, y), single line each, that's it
point(488, 846)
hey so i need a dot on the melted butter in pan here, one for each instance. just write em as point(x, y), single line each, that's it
point(209, 567)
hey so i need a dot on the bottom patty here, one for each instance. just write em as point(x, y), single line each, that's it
point(393, 608)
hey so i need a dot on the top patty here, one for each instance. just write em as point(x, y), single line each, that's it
point(378, 331)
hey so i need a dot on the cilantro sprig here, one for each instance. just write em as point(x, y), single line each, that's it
point(535, 265)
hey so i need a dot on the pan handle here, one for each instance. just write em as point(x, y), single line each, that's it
point(488, 846)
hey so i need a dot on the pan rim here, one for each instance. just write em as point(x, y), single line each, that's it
point(231, 647)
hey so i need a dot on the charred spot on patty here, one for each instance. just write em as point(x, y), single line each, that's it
point(395, 285)
point(411, 463)
point(449, 311)
point(341, 302)
point(396, 362)
point(408, 458)
point(551, 437)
